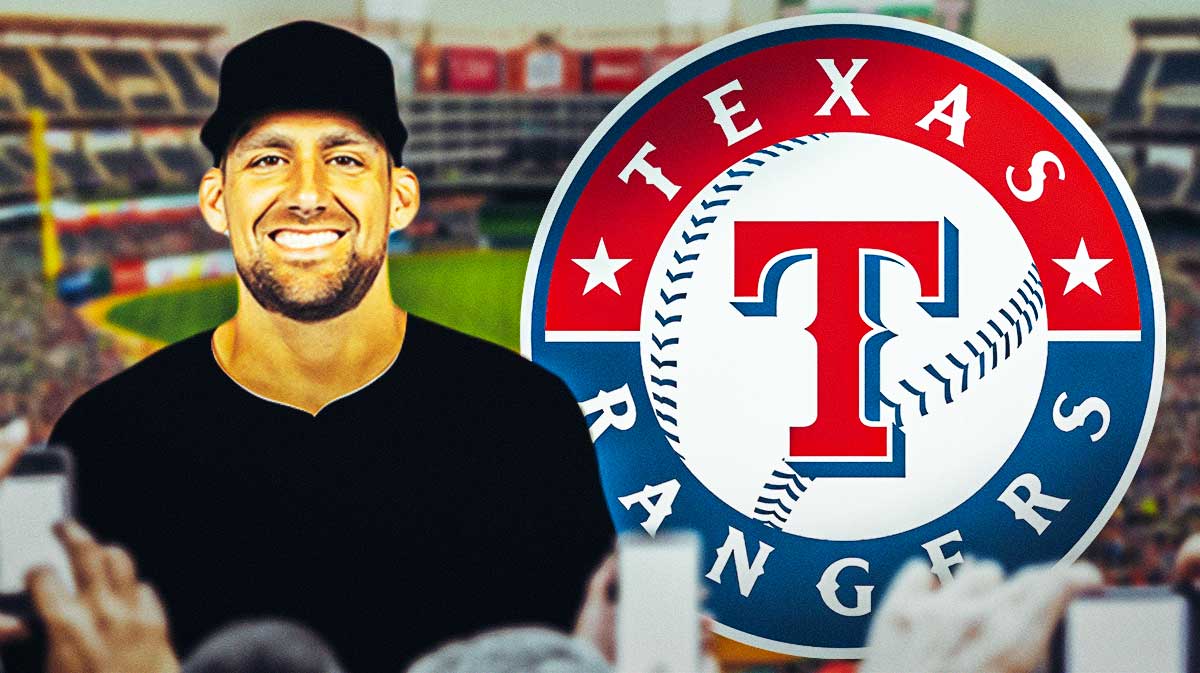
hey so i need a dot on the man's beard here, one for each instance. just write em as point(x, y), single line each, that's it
point(339, 294)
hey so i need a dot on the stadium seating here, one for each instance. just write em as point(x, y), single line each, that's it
point(1178, 78)
point(1127, 104)
point(1179, 68)
point(1157, 182)
point(132, 164)
point(181, 162)
point(80, 171)
point(18, 174)
point(15, 182)
point(1157, 94)
point(136, 81)
point(510, 139)
point(91, 163)
point(73, 66)
point(1155, 110)
point(186, 79)
point(145, 172)
point(184, 160)
point(82, 81)
point(17, 64)
point(10, 176)
point(1174, 116)
point(14, 152)
point(207, 64)
point(1191, 197)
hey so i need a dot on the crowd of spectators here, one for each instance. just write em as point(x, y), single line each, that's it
point(48, 356)
point(100, 246)
point(1162, 506)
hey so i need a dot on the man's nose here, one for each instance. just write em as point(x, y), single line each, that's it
point(306, 212)
point(308, 196)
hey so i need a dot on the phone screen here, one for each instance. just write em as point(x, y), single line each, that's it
point(30, 505)
point(1128, 633)
point(658, 618)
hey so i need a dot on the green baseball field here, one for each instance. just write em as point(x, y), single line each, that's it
point(475, 291)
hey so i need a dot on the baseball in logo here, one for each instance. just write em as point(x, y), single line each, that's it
point(840, 292)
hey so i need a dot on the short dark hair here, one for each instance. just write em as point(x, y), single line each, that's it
point(266, 646)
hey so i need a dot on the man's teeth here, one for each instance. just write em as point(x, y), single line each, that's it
point(300, 241)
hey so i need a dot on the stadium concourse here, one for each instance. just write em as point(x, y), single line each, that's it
point(134, 267)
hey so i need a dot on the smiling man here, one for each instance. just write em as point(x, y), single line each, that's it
point(324, 455)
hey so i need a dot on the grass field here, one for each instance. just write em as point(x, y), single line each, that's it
point(512, 221)
point(477, 292)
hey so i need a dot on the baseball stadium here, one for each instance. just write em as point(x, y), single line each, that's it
point(105, 258)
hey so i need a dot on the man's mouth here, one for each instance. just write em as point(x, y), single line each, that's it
point(305, 239)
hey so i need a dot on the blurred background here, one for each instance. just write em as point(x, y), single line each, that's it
point(104, 257)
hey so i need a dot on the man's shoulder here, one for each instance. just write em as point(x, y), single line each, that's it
point(149, 382)
point(503, 402)
point(462, 356)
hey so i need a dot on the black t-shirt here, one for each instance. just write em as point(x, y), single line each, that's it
point(457, 491)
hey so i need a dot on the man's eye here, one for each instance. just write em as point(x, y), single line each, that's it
point(346, 161)
point(270, 160)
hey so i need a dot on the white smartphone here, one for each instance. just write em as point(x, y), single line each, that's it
point(1128, 630)
point(35, 496)
point(658, 604)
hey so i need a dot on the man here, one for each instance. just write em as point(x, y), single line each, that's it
point(325, 456)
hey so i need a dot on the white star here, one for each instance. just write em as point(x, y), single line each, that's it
point(1082, 269)
point(601, 269)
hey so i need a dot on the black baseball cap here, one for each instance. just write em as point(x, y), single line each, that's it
point(305, 65)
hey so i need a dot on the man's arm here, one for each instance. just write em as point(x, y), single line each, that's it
point(590, 501)
point(84, 432)
point(579, 512)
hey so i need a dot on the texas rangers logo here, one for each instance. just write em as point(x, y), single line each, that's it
point(838, 292)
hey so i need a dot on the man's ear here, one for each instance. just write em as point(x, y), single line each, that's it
point(406, 198)
point(212, 200)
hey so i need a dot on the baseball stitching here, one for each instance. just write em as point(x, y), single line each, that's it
point(950, 375)
point(667, 316)
point(996, 341)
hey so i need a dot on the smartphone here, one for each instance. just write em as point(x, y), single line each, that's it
point(33, 497)
point(1129, 630)
point(658, 603)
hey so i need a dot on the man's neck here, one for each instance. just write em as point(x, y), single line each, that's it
point(308, 365)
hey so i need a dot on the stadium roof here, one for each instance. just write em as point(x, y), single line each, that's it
point(1166, 26)
point(107, 28)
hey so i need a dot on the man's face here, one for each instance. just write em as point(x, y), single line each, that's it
point(306, 197)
